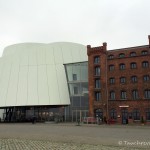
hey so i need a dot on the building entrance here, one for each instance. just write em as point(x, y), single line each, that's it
point(124, 116)
point(79, 115)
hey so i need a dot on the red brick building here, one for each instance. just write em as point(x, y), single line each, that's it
point(119, 83)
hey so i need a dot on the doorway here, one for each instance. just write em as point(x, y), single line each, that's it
point(124, 116)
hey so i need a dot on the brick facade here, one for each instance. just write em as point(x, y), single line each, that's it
point(136, 103)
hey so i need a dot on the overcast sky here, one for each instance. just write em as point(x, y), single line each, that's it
point(120, 23)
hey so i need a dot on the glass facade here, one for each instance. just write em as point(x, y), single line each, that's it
point(77, 79)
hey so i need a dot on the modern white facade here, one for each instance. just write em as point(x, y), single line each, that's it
point(33, 74)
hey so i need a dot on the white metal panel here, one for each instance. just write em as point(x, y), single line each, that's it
point(62, 85)
point(33, 56)
point(67, 55)
point(4, 84)
point(22, 93)
point(32, 86)
point(53, 85)
point(49, 55)
point(41, 58)
point(24, 59)
point(13, 86)
point(75, 54)
point(58, 55)
point(43, 89)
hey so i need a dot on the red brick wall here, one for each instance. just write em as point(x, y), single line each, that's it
point(106, 104)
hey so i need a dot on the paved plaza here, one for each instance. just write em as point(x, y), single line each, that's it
point(69, 136)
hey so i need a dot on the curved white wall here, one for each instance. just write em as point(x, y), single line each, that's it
point(34, 74)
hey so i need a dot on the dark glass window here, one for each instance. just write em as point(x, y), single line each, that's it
point(110, 56)
point(111, 67)
point(112, 95)
point(97, 83)
point(122, 80)
point(133, 54)
point(96, 59)
point(148, 114)
point(75, 90)
point(134, 78)
point(74, 77)
point(97, 71)
point(135, 94)
point(99, 113)
point(123, 95)
point(146, 78)
point(136, 114)
point(133, 65)
point(144, 52)
point(112, 80)
point(97, 96)
point(122, 66)
point(113, 114)
point(145, 64)
point(147, 94)
point(122, 55)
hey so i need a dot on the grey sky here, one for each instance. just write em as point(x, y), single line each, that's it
point(120, 23)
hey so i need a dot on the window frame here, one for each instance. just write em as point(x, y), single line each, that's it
point(145, 64)
point(111, 67)
point(123, 95)
point(122, 80)
point(112, 80)
point(98, 96)
point(144, 52)
point(146, 78)
point(97, 84)
point(122, 66)
point(112, 95)
point(147, 94)
point(133, 54)
point(134, 77)
point(135, 94)
point(121, 55)
point(97, 71)
point(133, 65)
point(96, 59)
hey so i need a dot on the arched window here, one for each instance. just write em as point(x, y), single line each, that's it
point(111, 67)
point(146, 78)
point(110, 56)
point(145, 64)
point(122, 66)
point(135, 94)
point(99, 113)
point(112, 95)
point(132, 54)
point(144, 52)
point(111, 80)
point(113, 114)
point(96, 59)
point(123, 95)
point(97, 96)
point(122, 80)
point(136, 114)
point(97, 71)
point(148, 114)
point(97, 83)
point(147, 94)
point(133, 65)
point(122, 55)
point(134, 79)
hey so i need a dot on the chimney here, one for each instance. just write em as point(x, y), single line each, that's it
point(105, 46)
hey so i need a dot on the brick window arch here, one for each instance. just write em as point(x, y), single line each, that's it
point(133, 54)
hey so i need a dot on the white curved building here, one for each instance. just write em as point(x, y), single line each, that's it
point(33, 74)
